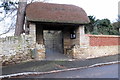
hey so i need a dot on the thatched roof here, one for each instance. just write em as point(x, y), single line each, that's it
point(61, 13)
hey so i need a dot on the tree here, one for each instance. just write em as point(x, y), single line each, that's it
point(19, 29)
point(116, 27)
point(90, 26)
point(102, 26)
point(105, 27)
point(8, 11)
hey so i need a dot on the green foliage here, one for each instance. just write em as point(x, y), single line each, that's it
point(102, 26)
point(116, 26)
point(89, 27)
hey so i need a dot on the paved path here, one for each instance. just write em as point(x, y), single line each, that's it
point(107, 71)
point(43, 66)
point(55, 55)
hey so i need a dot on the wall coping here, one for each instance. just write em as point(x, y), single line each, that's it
point(102, 35)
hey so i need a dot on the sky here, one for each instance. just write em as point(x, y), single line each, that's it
point(101, 9)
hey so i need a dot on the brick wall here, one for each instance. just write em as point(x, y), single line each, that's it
point(104, 40)
point(97, 46)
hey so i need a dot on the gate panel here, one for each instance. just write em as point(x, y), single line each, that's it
point(53, 41)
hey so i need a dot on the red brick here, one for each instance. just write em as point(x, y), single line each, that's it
point(104, 41)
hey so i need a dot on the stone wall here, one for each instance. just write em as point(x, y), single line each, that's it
point(37, 37)
point(66, 39)
point(94, 51)
point(39, 34)
point(69, 44)
point(27, 47)
point(96, 46)
point(17, 49)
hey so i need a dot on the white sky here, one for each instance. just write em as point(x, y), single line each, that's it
point(99, 8)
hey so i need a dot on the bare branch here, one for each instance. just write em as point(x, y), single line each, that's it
point(5, 32)
point(14, 16)
point(7, 15)
point(15, 6)
point(3, 18)
point(9, 29)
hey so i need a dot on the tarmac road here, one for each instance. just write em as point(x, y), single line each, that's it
point(43, 66)
point(107, 71)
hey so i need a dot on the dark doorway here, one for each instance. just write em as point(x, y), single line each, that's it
point(53, 40)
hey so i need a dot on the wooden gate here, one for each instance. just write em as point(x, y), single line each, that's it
point(53, 42)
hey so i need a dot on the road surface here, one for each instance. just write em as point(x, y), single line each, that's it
point(107, 71)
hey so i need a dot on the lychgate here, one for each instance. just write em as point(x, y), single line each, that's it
point(55, 28)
